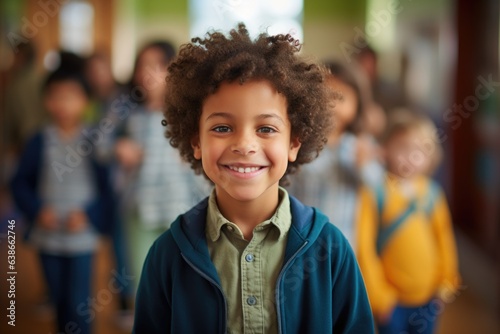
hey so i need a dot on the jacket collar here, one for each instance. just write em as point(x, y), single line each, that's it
point(189, 232)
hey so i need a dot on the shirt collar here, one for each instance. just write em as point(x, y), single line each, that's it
point(281, 219)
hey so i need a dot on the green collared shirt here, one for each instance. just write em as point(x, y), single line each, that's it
point(248, 270)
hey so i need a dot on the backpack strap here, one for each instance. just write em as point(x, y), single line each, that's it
point(380, 198)
point(432, 195)
point(385, 233)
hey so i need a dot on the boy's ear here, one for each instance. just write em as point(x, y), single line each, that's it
point(294, 149)
point(195, 144)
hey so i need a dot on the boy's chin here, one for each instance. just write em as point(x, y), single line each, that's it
point(246, 193)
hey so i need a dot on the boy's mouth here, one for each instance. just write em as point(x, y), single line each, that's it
point(244, 170)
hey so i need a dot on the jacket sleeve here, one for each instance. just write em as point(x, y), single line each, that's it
point(152, 309)
point(383, 297)
point(101, 211)
point(449, 274)
point(353, 314)
point(24, 184)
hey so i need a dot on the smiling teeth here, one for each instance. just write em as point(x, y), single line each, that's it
point(244, 170)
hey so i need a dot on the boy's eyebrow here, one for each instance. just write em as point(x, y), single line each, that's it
point(272, 115)
point(219, 114)
point(261, 116)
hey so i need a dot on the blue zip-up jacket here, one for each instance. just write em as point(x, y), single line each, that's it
point(25, 188)
point(319, 289)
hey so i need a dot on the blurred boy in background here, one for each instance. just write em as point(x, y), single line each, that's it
point(406, 248)
point(66, 197)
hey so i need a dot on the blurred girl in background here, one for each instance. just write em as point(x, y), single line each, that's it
point(331, 182)
point(159, 186)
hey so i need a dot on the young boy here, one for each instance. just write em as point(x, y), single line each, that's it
point(250, 258)
point(406, 248)
point(66, 197)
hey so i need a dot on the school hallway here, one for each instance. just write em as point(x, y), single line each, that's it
point(467, 314)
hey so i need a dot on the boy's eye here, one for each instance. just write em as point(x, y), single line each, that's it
point(266, 129)
point(221, 129)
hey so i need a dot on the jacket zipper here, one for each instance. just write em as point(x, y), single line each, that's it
point(278, 302)
point(209, 279)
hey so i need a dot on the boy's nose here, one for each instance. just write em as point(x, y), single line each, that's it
point(244, 144)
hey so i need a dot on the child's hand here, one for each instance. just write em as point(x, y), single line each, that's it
point(128, 153)
point(47, 218)
point(77, 221)
point(384, 318)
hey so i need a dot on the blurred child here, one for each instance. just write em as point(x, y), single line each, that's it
point(249, 258)
point(389, 94)
point(406, 248)
point(331, 182)
point(158, 185)
point(66, 196)
point(105, 90)
point(107, 95)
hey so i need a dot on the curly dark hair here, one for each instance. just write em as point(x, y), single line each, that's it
point(204, 64)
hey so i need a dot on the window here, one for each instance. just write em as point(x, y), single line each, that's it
point(77, 27)
point(273, 16)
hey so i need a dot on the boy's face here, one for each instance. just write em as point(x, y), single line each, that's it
point(65, 102)
point(244, 139)
point(408, 153)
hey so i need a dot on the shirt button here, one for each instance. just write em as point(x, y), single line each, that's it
point(251, 301)
point(230, 228)
point(249, 257)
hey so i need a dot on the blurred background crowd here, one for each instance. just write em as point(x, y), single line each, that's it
point(86, 78)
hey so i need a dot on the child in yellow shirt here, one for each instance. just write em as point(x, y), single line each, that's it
point(406, 249)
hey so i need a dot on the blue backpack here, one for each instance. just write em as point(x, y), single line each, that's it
point(386, 232)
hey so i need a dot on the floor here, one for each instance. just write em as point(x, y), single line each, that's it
point(34, 316)
point(467, 314)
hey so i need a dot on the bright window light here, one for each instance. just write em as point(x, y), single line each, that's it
point(273, 16)
point(77, 27)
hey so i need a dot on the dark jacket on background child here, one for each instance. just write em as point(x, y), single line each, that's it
point(26, 183)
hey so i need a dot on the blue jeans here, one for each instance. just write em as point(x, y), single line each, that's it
point(122, 260)
point(413, 320)
point(68, 279)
